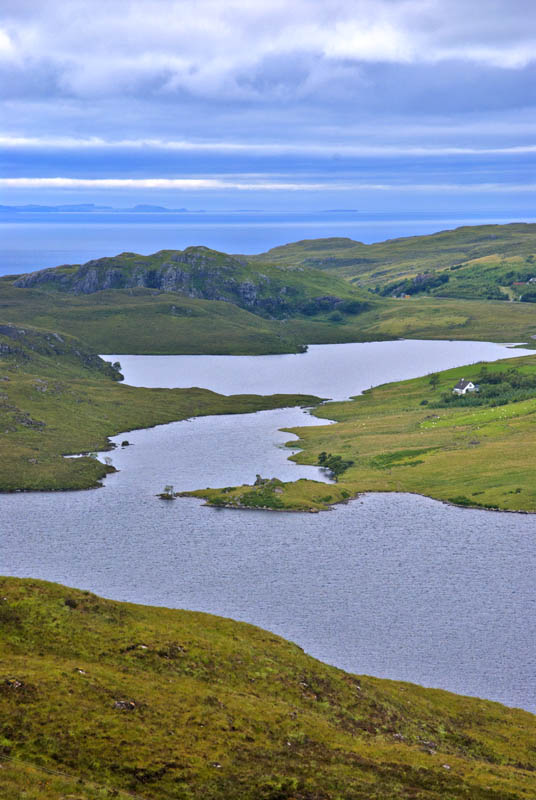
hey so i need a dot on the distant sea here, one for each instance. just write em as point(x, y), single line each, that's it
point(34, 240)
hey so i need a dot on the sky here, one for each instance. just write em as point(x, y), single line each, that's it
point(277, 104)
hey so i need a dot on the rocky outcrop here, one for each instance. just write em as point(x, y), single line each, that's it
point(196, 272)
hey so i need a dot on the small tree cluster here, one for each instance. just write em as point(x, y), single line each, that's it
point(335, 464)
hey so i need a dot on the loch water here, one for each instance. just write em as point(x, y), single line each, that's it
point(393, 585)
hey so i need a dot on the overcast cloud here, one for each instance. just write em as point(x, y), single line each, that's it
point(359, 80)
point(242, 49)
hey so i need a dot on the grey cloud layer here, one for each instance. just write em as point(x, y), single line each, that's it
point(94, 89)
point(244, 51)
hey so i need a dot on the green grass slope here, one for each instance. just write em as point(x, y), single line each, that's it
point(470, 262)
point(56, 398)
point(413, 436)
point(184, 705)
point(22, 781)
point(192, 301)
point(448, 285)
point(491, 277)
point(435, 318)
point(146, 321)
point(140, 321)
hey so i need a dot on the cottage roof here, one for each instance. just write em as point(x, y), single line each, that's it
point(462, 383)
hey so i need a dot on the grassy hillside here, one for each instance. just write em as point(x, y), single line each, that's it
point(413, 436)
point(491, 277)
point(145, 321)
point(198, 272)
point(448, 285)
point(56, 398)
point(468, 262)
point(22, 781)
point(178, 704)
point(426, 318)
point(192, 301)
point(140, 321)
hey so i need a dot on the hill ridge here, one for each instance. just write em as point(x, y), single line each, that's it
point(202, 273)
point(471, 261)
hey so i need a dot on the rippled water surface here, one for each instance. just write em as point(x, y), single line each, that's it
point(393, 585)
point(335, 371)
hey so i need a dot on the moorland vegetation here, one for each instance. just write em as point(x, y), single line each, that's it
point(448, 285)
point(478, 262)
point(99, 699)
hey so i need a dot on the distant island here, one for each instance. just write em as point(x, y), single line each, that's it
point(148, 208)
point(90, 207)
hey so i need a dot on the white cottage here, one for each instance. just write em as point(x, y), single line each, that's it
point(463, 386)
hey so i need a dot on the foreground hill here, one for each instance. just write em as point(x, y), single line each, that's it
point(480, 261)
point(179, 704)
